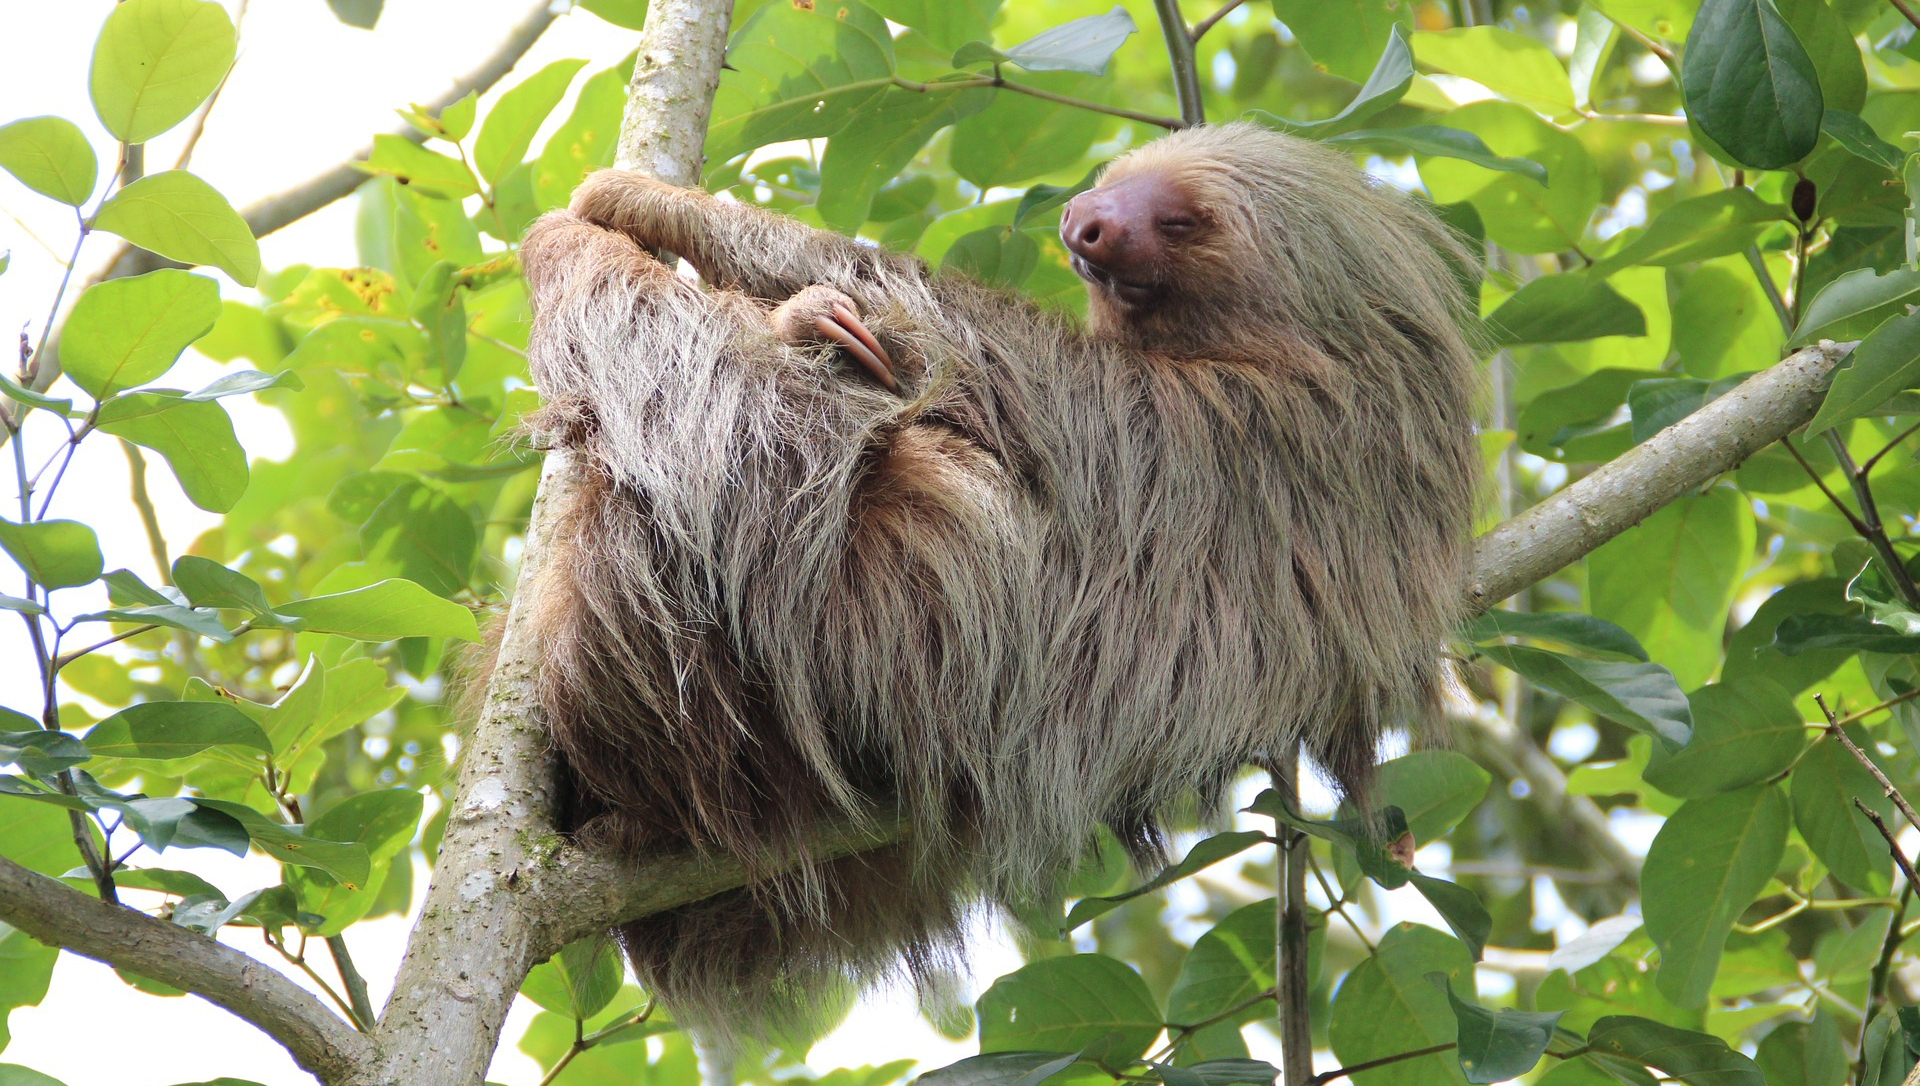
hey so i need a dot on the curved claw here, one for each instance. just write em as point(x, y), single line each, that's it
point(845, 328)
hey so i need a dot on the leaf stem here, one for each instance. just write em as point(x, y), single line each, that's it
point(1035, 92)
point(1886, 786)
point(1206, 24)
point(1186, 71)
point(1325, 1077)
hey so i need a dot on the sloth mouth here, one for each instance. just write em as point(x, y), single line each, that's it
point(1130, 293)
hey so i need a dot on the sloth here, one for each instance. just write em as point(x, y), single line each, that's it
point(1011, 578)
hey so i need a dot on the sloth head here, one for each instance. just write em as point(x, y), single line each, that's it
point(1213, 240)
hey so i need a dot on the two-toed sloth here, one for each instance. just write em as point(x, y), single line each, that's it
point(1054, 579)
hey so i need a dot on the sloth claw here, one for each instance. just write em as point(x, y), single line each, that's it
point(843, 326)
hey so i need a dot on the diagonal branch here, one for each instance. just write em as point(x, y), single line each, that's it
point(125, 939)
point(1683, 457)
point(270, 213)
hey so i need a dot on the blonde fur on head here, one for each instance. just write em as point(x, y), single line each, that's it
point(1065, 579)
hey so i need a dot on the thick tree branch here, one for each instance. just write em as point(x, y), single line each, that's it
point(125, 939)
point(1683, 457)
point(494, 907)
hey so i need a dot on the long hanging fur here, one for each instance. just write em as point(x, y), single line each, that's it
point(1068, 579)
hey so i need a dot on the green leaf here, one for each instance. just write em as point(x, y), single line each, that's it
point(39, 751)
point(1644, 697)
point(344, 860)
point(1698, 1059)
point(1084, 1002)
point(1857, 136)
point(1435, 789)
point(1439, 141)
point(386, 611)
point(1595, 635)
point(862, 158)
point(1206, 853)
point(207, 583)
point(195, 437)
point(1497, 1045)
point(55, 553)
point(174, 729)
point(798, 73)
point(12, 390)
point(1385, 85)
point(155, 62)
point(1824, 784)
point(1511, 65)
point(172, 615)
point(179, 216)
point(1749, 83)
point(510, 125)
point(1696, 229)
point(1562, 308)
point(1828, 40)
point(382, 822)
point(127, 332)
point(410, 164)
point(1804, 1053)
point(1705, 866)
point(1855, 304)
point(425, 536)
point(1460, 907)
point(1670, 581)
point(583, 142)
point(1230, 964)
point(1659, 402)
point(1343, 39)
point(626, 14)
point(1001, 256)
point(26, 968)
point(1083, 45)
point(51, 156)
point(242, 382)
point(1802, 633)
point(579, 981)
point(1000, 1069)
point(1743, 733)
point(12, 1074)
point(1386, 1006)
point(1886, 362)
point(1018, 137)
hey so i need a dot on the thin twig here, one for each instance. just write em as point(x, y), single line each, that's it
point(1325, 1077)
point(1905, 11)
point(1892, 793)
point(1035, 92)
point(1206, 24)
point(1290, 961)
point(1899, 857)
point(1882, 707)
point(1874, 532)
point(1768, 288)
point(299, 961)
point(1883, 965)
point(143, 504)
point(1859, 526)
point(1868, 464)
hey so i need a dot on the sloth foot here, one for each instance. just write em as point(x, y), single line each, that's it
point(821, 314)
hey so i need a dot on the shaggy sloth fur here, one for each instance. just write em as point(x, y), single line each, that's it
point(1066, 578)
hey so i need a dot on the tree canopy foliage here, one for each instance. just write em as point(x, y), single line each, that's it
point(1661, 843)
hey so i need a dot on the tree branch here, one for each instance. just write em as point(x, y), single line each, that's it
point(270, 213)
point(125, 939)
point(495, 903)
point(1620, 494)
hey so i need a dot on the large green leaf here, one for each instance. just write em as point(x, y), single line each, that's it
point(1082, 1001)
point(51, 156)
point(1228, 965)
point(1750, 84)
point(1206, 853)
point(195, 436)
point(1642, 696)
point(1856, 303)
point(862, 158)
point(1386, 1006)
point(386, 611)
point(1825, 784)
point(510, 125)
point(55, 553)
point(155, 62)
point(1696, 229)
point(174, 729)
point(1343, 39)
point(1705, 866)
point(1527, 214)
point(1697, 1059)
point(794, 72)
point(1670, 581)
point(1886, 362)
point(1497, 1045)
point(1435, 789)
point(1743, 733)
point(1016, 137)
point(1511, 65)
point(1562, 308)
point(126, 332)
point(1568, 628)
point(181, 217)
point(1085, 44)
